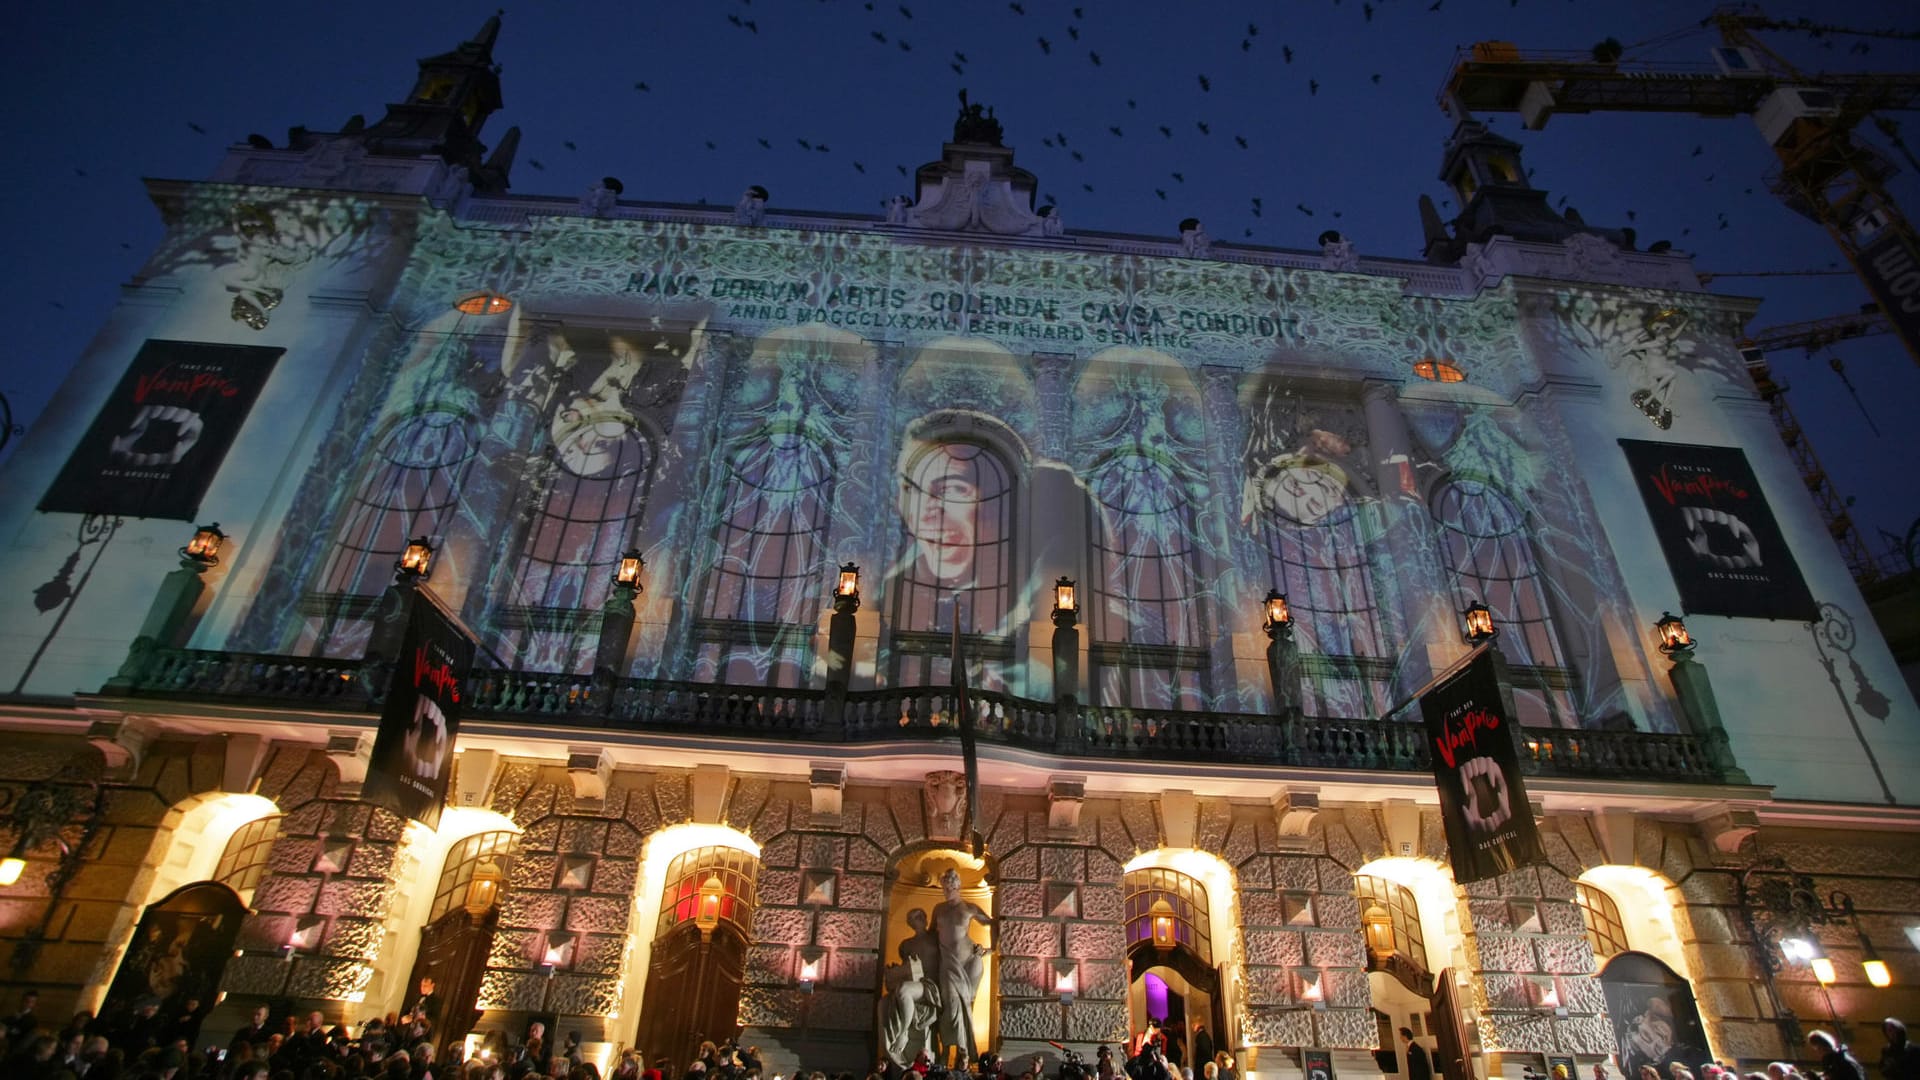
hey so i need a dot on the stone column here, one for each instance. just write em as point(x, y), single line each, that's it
point(1408, 575)
point(1059, 529)
point(1234, 555)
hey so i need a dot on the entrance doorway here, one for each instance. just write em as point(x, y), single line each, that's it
point(699, 958)
point(180, 949)
point(447, 969)
point(1172, 978)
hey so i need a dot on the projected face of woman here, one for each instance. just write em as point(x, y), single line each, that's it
point(940, 502)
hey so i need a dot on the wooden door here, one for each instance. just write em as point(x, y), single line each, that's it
point(1450, 1040)
point(693, 991)
point(453, 953)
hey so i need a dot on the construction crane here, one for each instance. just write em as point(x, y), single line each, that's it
point(1812, 335)
point(1826, 174)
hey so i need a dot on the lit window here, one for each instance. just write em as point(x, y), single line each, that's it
point(1604, 929)
point(483, 303)
point(1435, 370)
point(462, 860)
point(1185, 908)
point(244, 862)
point(736, 869)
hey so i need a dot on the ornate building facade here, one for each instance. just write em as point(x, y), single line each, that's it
point(716, 795)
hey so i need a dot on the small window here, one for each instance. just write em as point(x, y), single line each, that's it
point(1604, 929)
point(462, 860)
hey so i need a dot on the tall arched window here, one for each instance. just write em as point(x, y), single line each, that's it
point(1168, 906)
point(1392, 922)
point(692, 873)
point(463, 858)
point(596, 491)
point(244, 862)
point(1483, 537)
point(1605, 931)
point(408, 490)
point(1316, 557)
point(763, 595)
point(1149, 647)
point(956, 520)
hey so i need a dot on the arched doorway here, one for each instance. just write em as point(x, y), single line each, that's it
point(459, 930)
point(699, 953)
point(1173, 980)
point(1407, 913)
point(179, 949)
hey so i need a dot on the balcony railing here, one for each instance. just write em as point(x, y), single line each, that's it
point(561, 700)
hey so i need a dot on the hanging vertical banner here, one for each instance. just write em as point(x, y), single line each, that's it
point(1726, 551)
point(154, 446)
point(413, 753)
point(1483, 805)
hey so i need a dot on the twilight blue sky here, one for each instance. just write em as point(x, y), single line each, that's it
point(104, 94)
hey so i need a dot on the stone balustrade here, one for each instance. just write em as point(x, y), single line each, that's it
point(573, 701)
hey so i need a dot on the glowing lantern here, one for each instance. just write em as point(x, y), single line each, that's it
point(708, 914)
point(11, 868)
point(204, 548)
point(1162, 913)
point(417, 560)
point(628, 573)
point(1379, 930)
point(484, 888)
point(1279, 617)
point(1479, 622)
point(849, 581)
point(1673, 634)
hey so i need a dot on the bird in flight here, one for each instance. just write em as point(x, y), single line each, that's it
point(1242, 140)
point(1046, 46)
point(857, 167)
point(1367, 9)
point(642, 87)
point(1077, 155)
point(804, 144)
point(569, 145)
point(1095, 57)
point(1376, 78)
point(1167, 131)
point(1016, 8)
point(1162, 193)
point(1180, 177)
point(197, 128)
point(1204, 129)
point(1206, 83)
point(1073, 32)
point(1286, 53)
point(765, 145)
point(1117, 133)
point(1302, 207)
point(1313, 87)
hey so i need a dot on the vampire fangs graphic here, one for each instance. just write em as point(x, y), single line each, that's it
point(1488, 806)
point(1720, 539)
point(158, 435)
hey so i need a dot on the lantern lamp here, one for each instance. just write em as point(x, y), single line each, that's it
point(11, 868)
point(416, 562)
point(1279, 617)
point(707, 916)
point(627, 575)
point(1673, 634)
point(484, 888)
point(204, 548)
point(849, 581)
point(1877, 974)
point(1479, 623)
point(1379, 930)
point(810, 958)
point(1820, 962)
point(1162, 913)
point(1064, 601)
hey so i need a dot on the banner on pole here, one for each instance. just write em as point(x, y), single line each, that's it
point(413, 753)
point(1489, 824)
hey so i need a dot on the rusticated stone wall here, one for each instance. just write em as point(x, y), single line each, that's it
point(333, 863)
point(1316, 870)
point(575, 870)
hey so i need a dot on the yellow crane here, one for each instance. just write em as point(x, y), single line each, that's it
point(1826, 172)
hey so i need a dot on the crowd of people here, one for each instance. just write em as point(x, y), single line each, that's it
point(149, 1042)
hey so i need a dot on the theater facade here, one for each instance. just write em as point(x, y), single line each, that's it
point(716, 497)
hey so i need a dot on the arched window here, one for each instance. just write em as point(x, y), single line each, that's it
point(1316, 557)
point(600, 471)
point(691, 874)
point(1149, 648)
point(1490, 558)
point(762, 597)
point(956, 520)
point(244, 862)
point(1163, 905)
point(463, 858)
point(1605, 931)
point(1392, 922)
point(409, 490)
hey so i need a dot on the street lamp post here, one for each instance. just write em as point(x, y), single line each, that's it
point(616, 625)
point(171, 616)
point(840, 626)
point(1283, 663)
point(1794, 911)
point(1695, 691)
point(1066, 657)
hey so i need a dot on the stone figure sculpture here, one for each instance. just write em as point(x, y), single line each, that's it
point(913, 1002)
point(976, 124)
point(962, 962)
point(946, 803)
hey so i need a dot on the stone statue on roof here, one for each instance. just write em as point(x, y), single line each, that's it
point(976, 124)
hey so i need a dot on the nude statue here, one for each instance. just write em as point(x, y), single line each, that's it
point(962, 963)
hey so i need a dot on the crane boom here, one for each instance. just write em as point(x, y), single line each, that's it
point(1825, 173)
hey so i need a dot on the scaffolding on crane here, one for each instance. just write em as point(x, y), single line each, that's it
point(1826, 174)
point(1812, 335)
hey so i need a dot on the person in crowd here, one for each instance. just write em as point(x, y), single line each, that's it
point(1836, 1061)
point(23, 1022)
point(1419, 1064)
point(1900, 1059)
